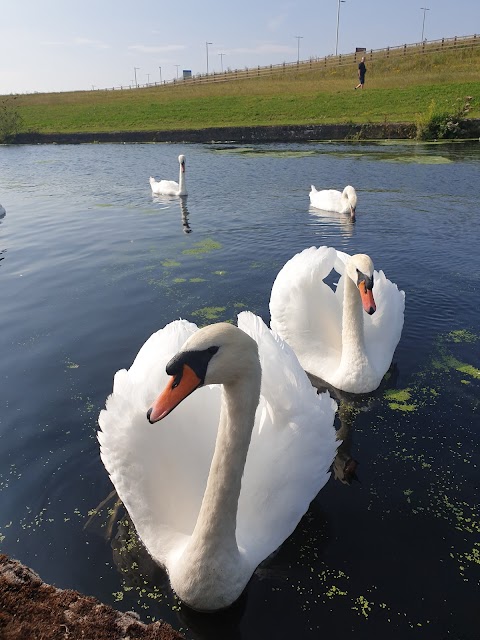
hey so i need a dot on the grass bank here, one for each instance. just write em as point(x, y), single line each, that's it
point(398, 89)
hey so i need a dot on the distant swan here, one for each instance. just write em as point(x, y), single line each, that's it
point(334, 334)
point(331, 200)
point(170, 187)
point(205, 510)
point(2, 211)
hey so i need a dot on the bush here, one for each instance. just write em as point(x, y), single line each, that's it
point(10, 121)
point(441, 125)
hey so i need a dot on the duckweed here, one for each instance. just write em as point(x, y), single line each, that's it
point(203, 246)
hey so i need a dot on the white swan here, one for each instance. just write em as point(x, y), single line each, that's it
point(331, 200)
point(330, 333)
point(181, 481)
point(170, 187)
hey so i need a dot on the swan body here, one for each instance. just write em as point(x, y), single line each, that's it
point(331, 200)
point(347, 337)
point(211, 502)
point(170, 187)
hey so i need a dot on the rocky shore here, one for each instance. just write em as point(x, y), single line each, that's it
point(30, 609)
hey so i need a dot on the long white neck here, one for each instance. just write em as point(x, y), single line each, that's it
point(181, 183)
point(217, 519)
point(353, 341)
point(211, 572)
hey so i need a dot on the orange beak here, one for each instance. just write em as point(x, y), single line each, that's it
point(367, 298)
point(173, 394)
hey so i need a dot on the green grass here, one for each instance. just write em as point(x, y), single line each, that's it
point(397, 89)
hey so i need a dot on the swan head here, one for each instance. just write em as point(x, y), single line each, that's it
point(217, 354)
point(360, 269)
point(181, 162)
point(351, 195)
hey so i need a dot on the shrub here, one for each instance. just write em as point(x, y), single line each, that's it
point(10, 121)
point(441, 125)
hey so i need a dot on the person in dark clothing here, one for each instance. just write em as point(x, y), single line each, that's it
point(362, 70)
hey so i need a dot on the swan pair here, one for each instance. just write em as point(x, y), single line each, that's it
point(170, 187)
point(331, 200)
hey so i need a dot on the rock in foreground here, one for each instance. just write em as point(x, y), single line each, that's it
point(29, 608)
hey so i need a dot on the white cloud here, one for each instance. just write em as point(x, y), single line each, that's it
point(76, 42)
point(266, 47)
point(86, 42)
point(142, 48)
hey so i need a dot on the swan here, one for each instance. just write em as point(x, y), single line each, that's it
point(331, 200)
point(334, 334)
point(170, 187)
point(181, 481)
point(2, 211)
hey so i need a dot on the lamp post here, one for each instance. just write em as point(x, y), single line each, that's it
point(221, 59)
point(338, 25)
point(298, 47)
point(148, 78)
point(177, 65)
point(206, 46)
point(135, 69)
point(424, 9)
point(160, 69)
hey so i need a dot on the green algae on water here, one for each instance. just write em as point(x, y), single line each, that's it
point(209, 313)
point(398, 399)
point(203, 246)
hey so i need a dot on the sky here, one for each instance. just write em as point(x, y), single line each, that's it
point(57, 45)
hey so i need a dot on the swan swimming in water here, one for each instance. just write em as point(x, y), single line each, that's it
point(347, 338)
point(170, 187)
point(331, 200)
point(210, 503)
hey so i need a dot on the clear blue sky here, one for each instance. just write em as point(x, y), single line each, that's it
point(56, 45)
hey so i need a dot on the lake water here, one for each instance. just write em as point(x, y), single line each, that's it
point(91, 264)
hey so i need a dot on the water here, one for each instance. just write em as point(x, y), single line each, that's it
point(92, 264)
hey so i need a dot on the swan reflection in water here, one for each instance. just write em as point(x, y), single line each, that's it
point(349, 406)
point(185, 213)
point(344, 465)
point(343, 221)
point(165, 202)
point(2, 215)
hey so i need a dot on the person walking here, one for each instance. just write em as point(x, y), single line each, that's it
point(362, 70)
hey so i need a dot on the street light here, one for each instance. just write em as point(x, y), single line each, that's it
point(206, 46)
point(135, 69)
point(148, 78)
point(160, 69)
point(424, 9)
point(221, 59)
point(177, 65)
point(338, 24)
point(298, 47)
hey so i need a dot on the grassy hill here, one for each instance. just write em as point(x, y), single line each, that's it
point(398, 89)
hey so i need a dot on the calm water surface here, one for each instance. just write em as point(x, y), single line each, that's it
point(91, 264)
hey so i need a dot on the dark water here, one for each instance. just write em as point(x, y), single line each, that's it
point(91, 265)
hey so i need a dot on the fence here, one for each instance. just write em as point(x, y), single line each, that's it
point(426, 47)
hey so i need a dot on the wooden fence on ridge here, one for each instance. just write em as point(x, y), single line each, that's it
point(426, 47)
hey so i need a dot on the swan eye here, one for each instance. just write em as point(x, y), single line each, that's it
point(177, 380)
point(212, 350)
